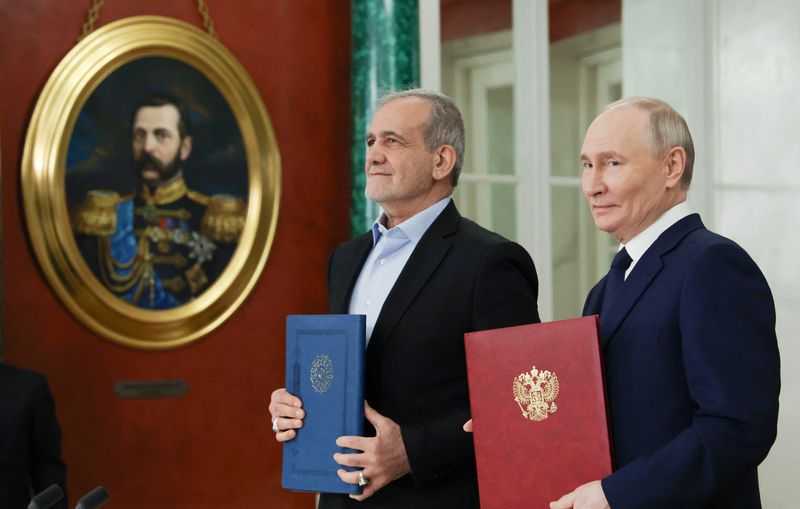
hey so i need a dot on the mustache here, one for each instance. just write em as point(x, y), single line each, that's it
point(165, 170)
point(148, 160)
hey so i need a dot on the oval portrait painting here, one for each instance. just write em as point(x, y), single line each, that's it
point(156, 182)
point(151, 182)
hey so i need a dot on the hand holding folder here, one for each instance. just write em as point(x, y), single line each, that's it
point(384, 458)
point(538, 403)
point(319, 416)
point(589, 496)
point(287, 411)
point(323, 399)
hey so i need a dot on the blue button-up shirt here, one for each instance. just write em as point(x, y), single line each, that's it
point(391, 249)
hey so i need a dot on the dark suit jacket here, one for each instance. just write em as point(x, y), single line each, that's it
point(30, 438)
point(460, 278)
point(692, 371)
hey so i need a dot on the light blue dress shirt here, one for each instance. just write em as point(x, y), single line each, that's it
point(391, 249)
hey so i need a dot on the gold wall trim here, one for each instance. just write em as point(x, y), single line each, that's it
point(44, 168)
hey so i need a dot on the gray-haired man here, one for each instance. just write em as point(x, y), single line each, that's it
point(423, 276)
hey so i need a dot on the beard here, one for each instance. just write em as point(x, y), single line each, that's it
point(155, 173)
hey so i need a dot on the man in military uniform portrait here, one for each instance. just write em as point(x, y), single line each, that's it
point(164, 244)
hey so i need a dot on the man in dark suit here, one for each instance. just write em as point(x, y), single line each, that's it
point(423, 276)
point(687, 324)
point(30, 438)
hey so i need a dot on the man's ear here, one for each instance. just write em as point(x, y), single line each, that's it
point(186, 147)
point(444, 159)
point(674, 164)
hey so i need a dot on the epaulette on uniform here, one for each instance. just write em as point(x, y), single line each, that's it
point(97, 213)
point(223, 220)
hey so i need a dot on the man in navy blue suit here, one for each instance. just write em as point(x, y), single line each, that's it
point(687, 325)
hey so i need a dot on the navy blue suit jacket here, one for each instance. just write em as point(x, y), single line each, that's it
point(692, 372)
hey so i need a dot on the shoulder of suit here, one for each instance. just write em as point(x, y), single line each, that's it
point(475, 242)
point(704, 253)
point(350, 251)
point(474, 232)
point(20, 375)
point(702, 239)
point(355, 243)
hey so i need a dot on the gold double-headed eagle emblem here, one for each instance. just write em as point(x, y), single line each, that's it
point(535, 393)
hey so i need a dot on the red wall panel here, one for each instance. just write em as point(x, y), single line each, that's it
point(468, 18)
point(573, 17)
point(213, 447)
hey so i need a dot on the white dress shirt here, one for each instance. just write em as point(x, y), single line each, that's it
point(638, 245)
point(391, 249)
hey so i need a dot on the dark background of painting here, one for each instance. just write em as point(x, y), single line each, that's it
point(99, 155)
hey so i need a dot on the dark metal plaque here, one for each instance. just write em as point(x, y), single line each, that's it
point(147, 389)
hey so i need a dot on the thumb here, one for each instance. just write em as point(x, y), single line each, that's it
point(372, 415)
point(565, 502)
point(468, 426)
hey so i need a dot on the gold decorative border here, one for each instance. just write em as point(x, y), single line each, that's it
point(43, 181)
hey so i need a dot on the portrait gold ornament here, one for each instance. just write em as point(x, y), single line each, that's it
point(535, 393)
point(134, 300)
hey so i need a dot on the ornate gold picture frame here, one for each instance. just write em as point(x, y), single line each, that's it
point(84, 114)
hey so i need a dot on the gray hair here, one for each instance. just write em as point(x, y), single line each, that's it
point(667, 130)
point(445, 126)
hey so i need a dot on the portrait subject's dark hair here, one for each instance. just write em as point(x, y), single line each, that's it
point(156, 100)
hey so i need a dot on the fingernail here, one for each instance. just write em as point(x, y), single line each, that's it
point(299, 413)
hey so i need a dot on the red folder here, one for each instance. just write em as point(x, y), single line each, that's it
point(539, 411)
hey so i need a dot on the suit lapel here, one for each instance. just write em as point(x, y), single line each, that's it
point(646, 269)
point(429, 253)
point(640, 278)
point(346, 279)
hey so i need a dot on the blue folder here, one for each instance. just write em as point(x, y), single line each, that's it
point(325, 369)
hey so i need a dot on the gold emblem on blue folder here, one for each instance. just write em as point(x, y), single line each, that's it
point(535, 393)
point(321, 373)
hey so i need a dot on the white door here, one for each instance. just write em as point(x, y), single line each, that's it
point(585, 74)
point(487, 189)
